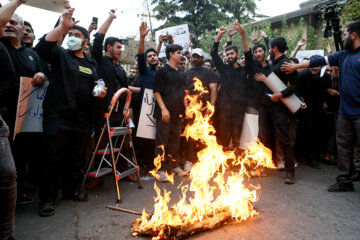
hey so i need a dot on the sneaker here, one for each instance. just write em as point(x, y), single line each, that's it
point(163, 177)
point(178, 171)
point(23, 199)
point(290, 179)
point(341, 186)
point(188, 165)
point(281, 165)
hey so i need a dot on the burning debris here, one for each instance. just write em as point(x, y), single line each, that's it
point(205, 209)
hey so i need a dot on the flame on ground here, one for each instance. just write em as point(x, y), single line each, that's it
point(217, 190)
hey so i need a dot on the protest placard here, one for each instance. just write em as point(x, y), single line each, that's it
point(250, 130)
point(29, 113)
point(308, 53)
point(293, 103)
point(147, 122)
point(179, 33)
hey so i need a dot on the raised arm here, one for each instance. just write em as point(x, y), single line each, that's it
point(8, 10)
point(144, 30)
point(241, 30)
point(300, 43)
point(214, 51)
point(65, 24)
point(105, 26)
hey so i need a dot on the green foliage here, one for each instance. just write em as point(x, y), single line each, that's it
point(203, 16)
point(350, 11)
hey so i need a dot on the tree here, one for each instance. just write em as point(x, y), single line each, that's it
point(203, 15)
point(350, 11)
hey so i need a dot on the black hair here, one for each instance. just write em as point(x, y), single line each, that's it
point(82, 30)
point(26, 23)
point(259, 45)
point(111, 41)
point(294, 59)
point(183, 58)
point(150, 50)
point(354, 27)
point(210, 61)
point(228, 48)
point(171, 49)
point(280, 43)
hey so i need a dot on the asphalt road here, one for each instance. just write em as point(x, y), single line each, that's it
point(301, 211)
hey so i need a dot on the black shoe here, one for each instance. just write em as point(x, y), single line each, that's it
point(290, 179)
point(340, 186)
point(76, 197)
point(46, 209)
point(356, 176)
point(23, 199)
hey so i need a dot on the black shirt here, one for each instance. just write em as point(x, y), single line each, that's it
point(257, 89)
point(313, 89)
point(234, 84)
point(170, 83)
point(112, 73)
point(8, 80)
point(206, 76)
point(26, 63)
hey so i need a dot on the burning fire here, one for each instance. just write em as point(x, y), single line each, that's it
point(205, 208)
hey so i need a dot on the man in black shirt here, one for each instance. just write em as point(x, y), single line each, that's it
point(231, 101)
point(209, 81)
point(312, 87)
point(67, 112)
point(27, 64)
point(169, 91)
point(109, 70)
point(273, 116)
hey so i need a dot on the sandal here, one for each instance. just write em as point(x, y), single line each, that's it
point(46, 209)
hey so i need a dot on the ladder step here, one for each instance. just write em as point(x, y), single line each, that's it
point(102, 151)
point(128, 172)
point(102, 172)
point(118, 131)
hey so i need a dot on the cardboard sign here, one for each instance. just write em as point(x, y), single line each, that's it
point(293, 103)
point(308, 53)
point(147, 122)
point(179, 33)
point(132, 49)
point(250, 130)
point(29, 113)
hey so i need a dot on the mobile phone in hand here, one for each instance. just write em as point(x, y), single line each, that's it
point(95, 20)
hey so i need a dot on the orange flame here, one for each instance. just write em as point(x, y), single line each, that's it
point(214, 190)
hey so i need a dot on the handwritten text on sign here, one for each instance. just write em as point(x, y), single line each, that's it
point(180, 35)
point(29, 112)
point(147, 122)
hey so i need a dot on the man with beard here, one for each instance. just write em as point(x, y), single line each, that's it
point(68, 109)
point(148, 65)
point(27, 64)
point(273, 115)
point(348, 124)
point(231, 101)
point(109, 70)
point(209, 81)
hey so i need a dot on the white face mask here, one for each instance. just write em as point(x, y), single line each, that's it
point(74, 43)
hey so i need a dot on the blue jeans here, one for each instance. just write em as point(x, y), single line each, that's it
point(7, 184)
point(347, 133)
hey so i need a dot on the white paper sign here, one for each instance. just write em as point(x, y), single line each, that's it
point(29, 114)
point(179, 33)
point(308, 53)
point(293, 103)
point(250, 130)
point(147, 122)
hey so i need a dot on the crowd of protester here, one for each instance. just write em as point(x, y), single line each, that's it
point(54, 159)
